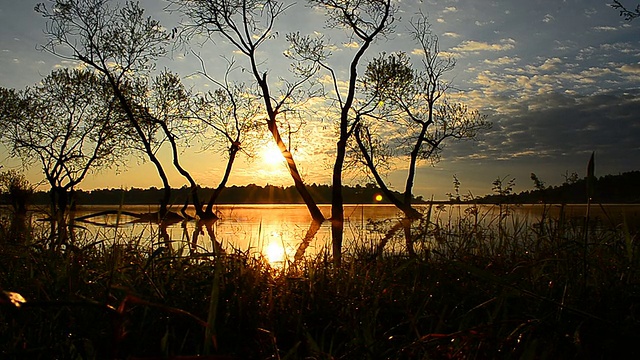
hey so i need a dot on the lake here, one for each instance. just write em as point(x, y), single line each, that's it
point(276, 231)
point(273, 230)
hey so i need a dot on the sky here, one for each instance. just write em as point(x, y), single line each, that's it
point(557, 79)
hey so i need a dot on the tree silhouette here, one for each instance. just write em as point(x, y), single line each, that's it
point(228, 125)
point(411, 113)
point(626, 13)
point(69, 125)
point(15, 186)
point(365, 22)
point(248, 25)
point(118, 42)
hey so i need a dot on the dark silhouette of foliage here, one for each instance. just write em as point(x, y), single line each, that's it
point(626, 13)
point(122, 44)
point(609, 189)
point(69, 125)
point(248, 194)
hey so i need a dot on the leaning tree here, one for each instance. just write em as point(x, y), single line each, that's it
point(248, 26)
point(364, 22)
point(123, 45)
point(411, 114)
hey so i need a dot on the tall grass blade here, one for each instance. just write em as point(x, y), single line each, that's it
point(590, 190)
point(210, 332)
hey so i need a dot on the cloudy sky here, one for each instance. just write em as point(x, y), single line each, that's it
point(558, 80)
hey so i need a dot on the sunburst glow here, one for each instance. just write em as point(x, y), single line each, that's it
point(274, 252)
point(271, 155)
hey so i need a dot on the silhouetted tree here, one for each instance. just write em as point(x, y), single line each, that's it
point(364, 22)
point(228, 125)
point(626, 13)
point(411, 113)
point(248, 25)
point(69, 125)
point(537, 183)
point(120, 43)
point(16, 188)
point(165, 104)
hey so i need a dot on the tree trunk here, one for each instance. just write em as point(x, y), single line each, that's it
point(408, 188)
point(59, 202)
point(208, 213)
point(406, 208)
point(315, 212)
point(272, 124)
point(164, 202)
point(337, 210)
point(181, 170)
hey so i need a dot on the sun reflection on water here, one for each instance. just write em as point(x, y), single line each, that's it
point(277, 250)
point(274, 253)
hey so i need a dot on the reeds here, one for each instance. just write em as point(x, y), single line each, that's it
point(484, 284)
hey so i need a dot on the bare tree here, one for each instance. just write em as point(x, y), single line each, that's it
point(365, 22)
point(626, 13)
point(69, 126)
point(118, 42)
point(165, 104)
point(247, 25)
point(228, 116)
point(412, 102)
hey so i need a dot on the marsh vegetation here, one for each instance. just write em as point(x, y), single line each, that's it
point(482, 283)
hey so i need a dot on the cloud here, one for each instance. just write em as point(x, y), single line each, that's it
point(595, 72)
point(451, 34)
point(501, 61)
point(630, 68)
point(475, 46)
point(550, 64)
point(564, 45)
point(483, 23)
point(450, 9)
point(604, 28)
point(548, 18)
point(562, 129)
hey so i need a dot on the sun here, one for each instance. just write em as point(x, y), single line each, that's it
point(271, 155)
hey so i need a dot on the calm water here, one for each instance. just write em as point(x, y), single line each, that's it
point(277, 231)
point(273, 230)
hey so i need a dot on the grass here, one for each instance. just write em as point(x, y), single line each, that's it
point(484, 285)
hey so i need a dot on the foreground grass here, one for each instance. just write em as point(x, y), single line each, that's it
point(482, 286)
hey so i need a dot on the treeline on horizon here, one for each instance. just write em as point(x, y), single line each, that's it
point(623, 188)
point(609, 189)
point(247, 194)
